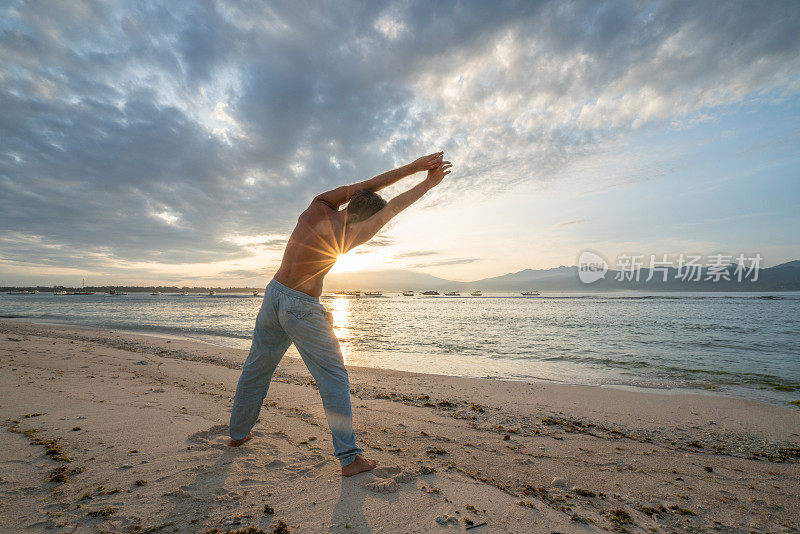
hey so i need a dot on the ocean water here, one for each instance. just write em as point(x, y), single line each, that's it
point(739, 344)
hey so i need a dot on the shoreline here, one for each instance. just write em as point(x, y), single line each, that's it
point(727, 391)
point(519, 456)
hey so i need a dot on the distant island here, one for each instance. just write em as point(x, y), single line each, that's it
point(784, 277)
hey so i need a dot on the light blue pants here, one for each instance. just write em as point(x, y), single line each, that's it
point(290, 316)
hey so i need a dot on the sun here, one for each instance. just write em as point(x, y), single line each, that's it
point(352, 261)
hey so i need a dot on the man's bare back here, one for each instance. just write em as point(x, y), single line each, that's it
point(323, 233)
point(312, 249)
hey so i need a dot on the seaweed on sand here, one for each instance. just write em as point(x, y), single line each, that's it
point(102, 512)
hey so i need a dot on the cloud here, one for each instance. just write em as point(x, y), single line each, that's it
point(380, 241)
point(569, 223)
point(153, 132)
point(415, 254)
point(457, 261)
point(377, 242)
point(241, 274)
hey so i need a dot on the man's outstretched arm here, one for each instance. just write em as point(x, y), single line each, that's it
point(363, 231)
point(341, 195)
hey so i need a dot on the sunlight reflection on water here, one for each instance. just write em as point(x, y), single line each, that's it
point(339, 307)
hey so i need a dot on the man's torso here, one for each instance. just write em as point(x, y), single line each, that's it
point(312, 249)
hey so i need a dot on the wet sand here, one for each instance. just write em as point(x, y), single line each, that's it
point(112, 432)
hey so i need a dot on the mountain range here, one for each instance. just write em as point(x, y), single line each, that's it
point(783, 277)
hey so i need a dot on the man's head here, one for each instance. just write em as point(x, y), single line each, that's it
point(363, 205)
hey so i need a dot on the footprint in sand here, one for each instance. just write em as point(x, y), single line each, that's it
point(204, 436)
point(180, 493)
point(382, 485)
point(301, 464)
point(215, 437)
point(387, 479)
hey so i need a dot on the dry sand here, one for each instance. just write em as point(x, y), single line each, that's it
point(143, 421)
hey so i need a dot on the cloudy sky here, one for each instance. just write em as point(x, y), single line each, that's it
point(177, 142)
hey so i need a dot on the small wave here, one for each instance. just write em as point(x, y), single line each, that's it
point(609, 362)
point(186, 331)
point(731, 378)
point(181, 330)
point(223, 297)
point(30, 316)
point(713, 328)
point(647, 297)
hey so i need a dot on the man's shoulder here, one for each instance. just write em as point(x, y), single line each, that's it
point(317, 209)
point(321, 203)
point(314, 215)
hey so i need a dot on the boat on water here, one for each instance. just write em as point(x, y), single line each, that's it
point(60, 292)
point(348, 293)
point(452, 294)
point(373, 294)
point(18, 292)
point(212, 293)
point(156, 293)
point(115, 293)
point(430, 292)
point(530, 293)
point(255, 293)
point(476, 293)
point(184, 293)
point(408, 293)
point(83, 289)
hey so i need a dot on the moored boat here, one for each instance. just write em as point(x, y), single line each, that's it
point(530, 293)
point(452, 294)
point(408, 293)
point(476, 293)
point(83, 289)
point(430, 292)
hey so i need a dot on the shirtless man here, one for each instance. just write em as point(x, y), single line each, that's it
point(291, 312)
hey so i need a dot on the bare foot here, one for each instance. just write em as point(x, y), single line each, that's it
point(359, 465)
point(237, 442)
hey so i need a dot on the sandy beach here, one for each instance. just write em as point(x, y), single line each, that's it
point(112, 432)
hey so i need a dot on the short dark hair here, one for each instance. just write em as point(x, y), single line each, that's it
point(363, 205)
